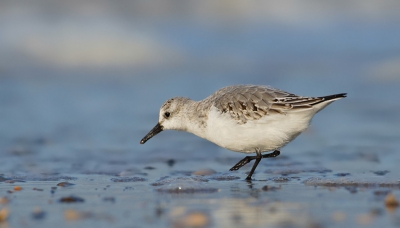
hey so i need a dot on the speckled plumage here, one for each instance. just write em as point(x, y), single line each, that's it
point(251, 102)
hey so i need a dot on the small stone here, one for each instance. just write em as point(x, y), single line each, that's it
point(17, 188)
point(73, 215)
point(4, 213)
point(195, 219)
point(71, 199)
point(38, 189)
point(270, 188)
point(65, 184)
point(204, 172)
point(381, 173)
point(342, 174)
point(391, 202)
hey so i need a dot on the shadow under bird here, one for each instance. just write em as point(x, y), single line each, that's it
point(243, 118)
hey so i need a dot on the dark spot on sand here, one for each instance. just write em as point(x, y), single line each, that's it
point(128, 179)
point(342, 174)
point(38, 214)
point(381, 192)
point(351, 189)
point(128, 188)
point(280, 179)
point(181, 173)
point(268, 188)
point(221, 177)
point(71, 199)
point(65, 184)
point(381, 173)
point(109, 199)
point(171, 162)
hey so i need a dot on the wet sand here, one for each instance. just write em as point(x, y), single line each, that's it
point(84, 166)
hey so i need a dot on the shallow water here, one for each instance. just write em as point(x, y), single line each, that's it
point(82, 125)
point(338, 173)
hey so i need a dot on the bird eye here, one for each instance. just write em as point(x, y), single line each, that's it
point(167, 114)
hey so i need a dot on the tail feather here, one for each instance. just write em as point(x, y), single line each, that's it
point(335, 96)
point(331, 97)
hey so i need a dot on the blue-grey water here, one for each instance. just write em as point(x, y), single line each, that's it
point(82, 83)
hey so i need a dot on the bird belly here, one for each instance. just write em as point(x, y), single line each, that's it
point(269, 133)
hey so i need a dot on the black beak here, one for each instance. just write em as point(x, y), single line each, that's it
point(157, 129)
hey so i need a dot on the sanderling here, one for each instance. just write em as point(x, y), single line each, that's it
point(243, 118)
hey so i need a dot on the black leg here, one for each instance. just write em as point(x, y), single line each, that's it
point(243, 162)
point(276, 153)
point(258, 158)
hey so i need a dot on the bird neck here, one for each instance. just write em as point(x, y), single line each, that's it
point(196, 117)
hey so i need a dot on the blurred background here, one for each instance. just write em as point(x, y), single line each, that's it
point(82, 81)
point(93, 74)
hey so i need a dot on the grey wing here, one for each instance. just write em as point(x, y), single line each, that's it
point(249, 102)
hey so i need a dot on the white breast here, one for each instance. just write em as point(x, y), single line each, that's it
point(269, 133)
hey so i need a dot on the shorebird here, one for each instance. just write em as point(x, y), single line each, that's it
point(243, 118)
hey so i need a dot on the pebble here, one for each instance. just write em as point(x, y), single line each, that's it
point(381, 173)
point(195, 219)
point(17, 188)
point(391, 202)
point(73, 215)
point(65, 184)
point(4, 213)
point(268, 188)
point(342, 174)
point(71, 199)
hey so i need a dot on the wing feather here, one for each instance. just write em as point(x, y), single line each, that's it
point(249, 102)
